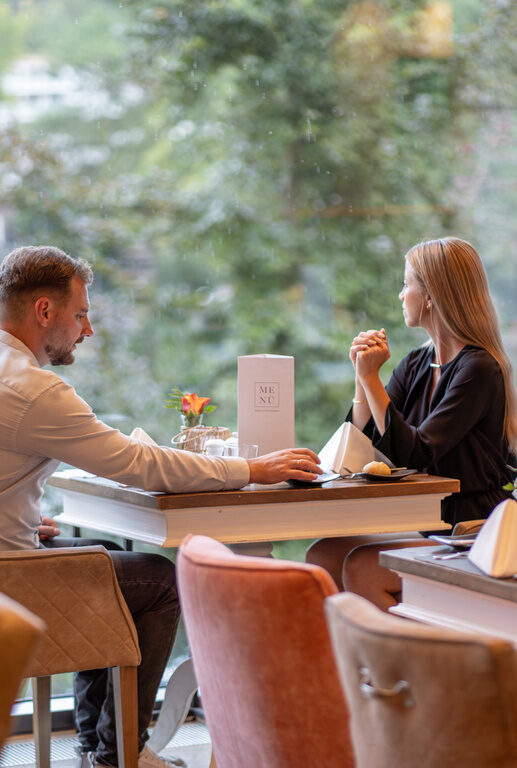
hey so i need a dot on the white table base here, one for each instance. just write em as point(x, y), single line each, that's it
point(452, 607)
point(253, 522)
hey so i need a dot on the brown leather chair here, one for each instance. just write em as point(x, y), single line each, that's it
point(20, 631)
point(421, 696)
point(75, 592)
point(262, 656)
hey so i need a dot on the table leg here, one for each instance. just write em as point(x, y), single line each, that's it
point(180, 689)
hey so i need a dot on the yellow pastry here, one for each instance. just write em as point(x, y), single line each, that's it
point(377, 468)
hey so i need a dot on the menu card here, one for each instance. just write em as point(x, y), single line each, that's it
point(266, 401)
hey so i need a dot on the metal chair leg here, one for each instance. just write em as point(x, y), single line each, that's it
point(179, 692)
point(41, 719)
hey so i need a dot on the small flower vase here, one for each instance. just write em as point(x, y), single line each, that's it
point(191, 419)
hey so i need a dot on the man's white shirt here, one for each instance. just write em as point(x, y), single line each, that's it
point(43, 422)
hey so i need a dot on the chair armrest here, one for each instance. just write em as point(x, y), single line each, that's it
point(75, 591)
point(467, 527)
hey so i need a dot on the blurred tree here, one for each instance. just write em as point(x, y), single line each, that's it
point(252, 177)
point(11, 36)
point(311, 151)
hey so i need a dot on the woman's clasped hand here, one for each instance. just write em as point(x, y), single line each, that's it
point(369, 351)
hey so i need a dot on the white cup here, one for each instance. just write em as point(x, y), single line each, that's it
point(215, 446)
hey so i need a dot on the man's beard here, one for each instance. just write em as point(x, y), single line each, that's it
point(61, 355)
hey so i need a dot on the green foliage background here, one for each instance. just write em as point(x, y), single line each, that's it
point(253, 187)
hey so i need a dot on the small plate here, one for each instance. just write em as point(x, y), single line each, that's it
point(456, 542)
point(324, 478)
point(397, 474)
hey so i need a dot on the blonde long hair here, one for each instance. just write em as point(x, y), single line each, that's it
point(452, 274)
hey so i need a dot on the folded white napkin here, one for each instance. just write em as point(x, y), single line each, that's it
point(348, 450)
point(139, 434)
point(495, 548)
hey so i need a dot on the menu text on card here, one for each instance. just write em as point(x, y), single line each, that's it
point(267, 395)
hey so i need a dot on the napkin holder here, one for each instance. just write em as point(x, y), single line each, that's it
point(348, 450)
point(139, 434)
point(495, 549)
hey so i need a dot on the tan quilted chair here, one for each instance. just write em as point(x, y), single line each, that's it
point(75, 591)
point(20, 631)
point(420, 696)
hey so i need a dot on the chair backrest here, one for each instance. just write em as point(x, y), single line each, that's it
point(262, 654)
point(75, 591)
point(423, 696)
point(20, 632)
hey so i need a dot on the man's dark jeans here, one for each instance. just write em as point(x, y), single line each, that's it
point(148, 584)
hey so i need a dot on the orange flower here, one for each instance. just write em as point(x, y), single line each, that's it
point(191, 403)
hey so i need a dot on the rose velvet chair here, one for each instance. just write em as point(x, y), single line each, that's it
point(75, 592)
point(262, 655)
point(20, 631)
point(422, 696)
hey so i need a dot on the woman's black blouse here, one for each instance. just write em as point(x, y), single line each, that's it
point(458, 432)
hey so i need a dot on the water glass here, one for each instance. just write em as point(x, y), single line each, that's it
point(248, 450)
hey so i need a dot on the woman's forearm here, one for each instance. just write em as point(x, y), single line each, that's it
point(377, 399)
point(369, 351)
point(361, 413)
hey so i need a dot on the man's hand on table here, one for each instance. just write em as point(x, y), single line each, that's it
point(48, 529)
point(295, 464)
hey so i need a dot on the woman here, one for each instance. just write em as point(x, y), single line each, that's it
point(449, 408)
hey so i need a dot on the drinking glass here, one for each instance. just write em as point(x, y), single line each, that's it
point(248, 450)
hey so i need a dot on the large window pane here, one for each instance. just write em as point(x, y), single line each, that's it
point(247, 176)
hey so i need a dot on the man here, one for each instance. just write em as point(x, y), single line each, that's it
point(44, 309)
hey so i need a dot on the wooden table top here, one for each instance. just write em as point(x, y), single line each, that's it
point(412, 485)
